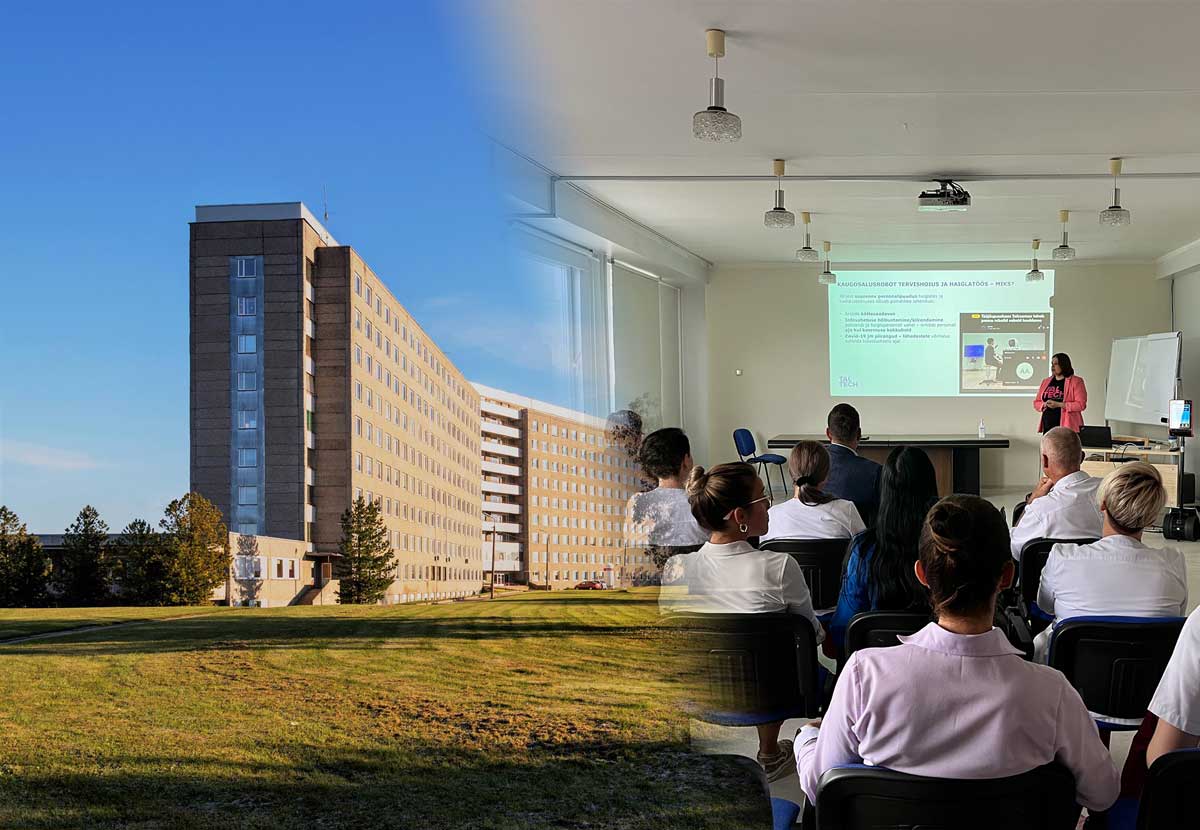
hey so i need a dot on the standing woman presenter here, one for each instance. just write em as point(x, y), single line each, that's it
point(1062, 397)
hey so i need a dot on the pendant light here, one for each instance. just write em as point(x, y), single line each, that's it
point(1035, 274)
point(1115, 216)
point(779, 216)
point(827, 277)
point(1064, 251)
point(716, 123)
point(807, 253)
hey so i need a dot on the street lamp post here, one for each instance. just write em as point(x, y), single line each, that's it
point(493, 585)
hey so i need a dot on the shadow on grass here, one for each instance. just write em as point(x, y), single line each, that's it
point(267, 631)
point(612, 785)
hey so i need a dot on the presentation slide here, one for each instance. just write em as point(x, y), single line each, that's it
point(939, 333)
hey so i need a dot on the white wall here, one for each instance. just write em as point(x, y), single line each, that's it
point(771, 321)
point(1187, 320)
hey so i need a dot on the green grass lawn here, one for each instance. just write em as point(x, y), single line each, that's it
point(22, 622)
point(542, 710)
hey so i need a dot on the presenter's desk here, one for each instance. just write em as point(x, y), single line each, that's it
point(955, 457)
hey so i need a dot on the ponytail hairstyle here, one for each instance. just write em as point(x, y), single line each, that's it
point(964, 548)
point(717, 492)
point(809, 466)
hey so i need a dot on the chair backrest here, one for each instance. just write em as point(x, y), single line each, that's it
point(746, 669)
point(850, 798)
point(1034, 554)
point(743, 440)
point(878, 629)
point(1114, 663)
point(821, 560)
point(1169, 797)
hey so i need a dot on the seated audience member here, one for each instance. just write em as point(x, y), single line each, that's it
point(879, 571)
point(1176, 702)
point(728, 575)
point(850, 475)
point(623, 435)
point(662, 518)
point(1117, 576)
point(956, 699)
point(812, 513)
point(1063, 505)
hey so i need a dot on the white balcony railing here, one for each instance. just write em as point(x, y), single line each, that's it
point(310, 330)
point(309, 294)
point(309, 365)
point(499, 409)
point(500, 449)
point(500, 527)
point(310, 477)
point(501, 507)
point(500, 469)
point(310, 440)
point(490, 428)
point(497, 487)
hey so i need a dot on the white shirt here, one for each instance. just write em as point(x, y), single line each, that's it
point(1068, 511)
point(1177, 699)
point(1115, 577)
point(664, 516)
point(793, 519)
point(736, 578)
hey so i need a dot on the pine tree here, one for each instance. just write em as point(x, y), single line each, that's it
point(24, 566)
point(198, 550)
point(81, 578)
point(367, 567)
point(138, 565)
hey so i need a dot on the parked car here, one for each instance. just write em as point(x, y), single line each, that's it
point(590, 585)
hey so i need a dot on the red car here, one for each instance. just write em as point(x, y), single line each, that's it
point(591, 585)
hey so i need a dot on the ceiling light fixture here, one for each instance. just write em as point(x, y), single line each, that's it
point(779, 216)
point(716, 123)
point(1115, 216)
point(1064, 251)
point(807, 253)
point(827, 277)
point(1035, 274)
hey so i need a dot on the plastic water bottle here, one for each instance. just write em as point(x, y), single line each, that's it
point(982, 429)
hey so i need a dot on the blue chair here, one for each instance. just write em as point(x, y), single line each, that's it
point(1115, 663)
point(743, 440)
point(861, 797)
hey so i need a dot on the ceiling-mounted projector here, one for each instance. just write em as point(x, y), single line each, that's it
point(950, 196)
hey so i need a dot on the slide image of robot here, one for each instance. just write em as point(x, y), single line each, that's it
point(1003, 352)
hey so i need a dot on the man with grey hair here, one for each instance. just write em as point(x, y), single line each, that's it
point(1063, 505)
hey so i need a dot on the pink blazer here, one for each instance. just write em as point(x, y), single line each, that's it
point(1074, 402)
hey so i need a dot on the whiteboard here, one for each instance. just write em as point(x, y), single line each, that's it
point(1141, 377)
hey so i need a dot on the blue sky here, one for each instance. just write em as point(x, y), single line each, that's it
point(119, 118)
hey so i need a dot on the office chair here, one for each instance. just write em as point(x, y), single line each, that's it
point(1034, 554)
point(1114, 663)
point(749, 669)
point(880, 629)
point(743, 441)
point(1169, 799)
point(823, 563)
point(867, 798)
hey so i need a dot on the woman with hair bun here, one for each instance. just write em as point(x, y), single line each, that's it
point(956, 699)
point(813, 513)
point(728, 575)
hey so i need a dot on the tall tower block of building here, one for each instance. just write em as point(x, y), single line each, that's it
point(312, 385)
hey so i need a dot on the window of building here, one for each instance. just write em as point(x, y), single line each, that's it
point(358, 355)
point(247, 344)
point(369, 295)
point(247, 266)
point(247, 419)
point(358, 391)
point(247, 457)
point(358, 284)
point(247, 306)
point(247, 381)
point(247, 495)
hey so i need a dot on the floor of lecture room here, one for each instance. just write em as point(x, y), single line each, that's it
point(714, 739)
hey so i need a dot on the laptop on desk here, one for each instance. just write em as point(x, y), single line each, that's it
point(1096, 437)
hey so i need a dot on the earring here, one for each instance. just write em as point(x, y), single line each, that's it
point(743, 527)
